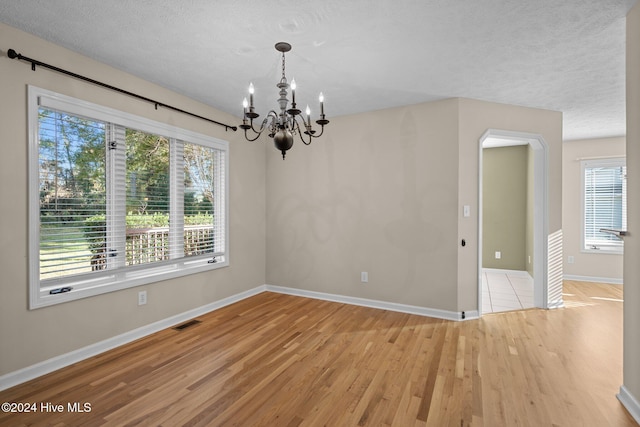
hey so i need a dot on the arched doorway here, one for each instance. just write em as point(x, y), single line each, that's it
point(497, 138)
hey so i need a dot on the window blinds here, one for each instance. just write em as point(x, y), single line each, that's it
point(112, 197)
point(604, 203)
point(72, 191)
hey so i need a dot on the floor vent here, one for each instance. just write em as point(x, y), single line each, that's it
point(186, 325)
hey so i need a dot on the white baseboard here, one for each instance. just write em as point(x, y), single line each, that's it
point(30, 372)
point(555, 304)
point(383, 305)
point(608, 280)
point(630, 403)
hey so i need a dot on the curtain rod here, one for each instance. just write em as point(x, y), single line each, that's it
point(14, 55)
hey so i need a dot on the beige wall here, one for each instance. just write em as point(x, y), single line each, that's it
point(377, 193)
point(588, 265)
point(632, 242)
point(383, 192)
point(504, 206)
point(28, 337)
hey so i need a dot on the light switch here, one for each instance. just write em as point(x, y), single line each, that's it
point(466, 210)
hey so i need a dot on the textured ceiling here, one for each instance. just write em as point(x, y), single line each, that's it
point(363, 54)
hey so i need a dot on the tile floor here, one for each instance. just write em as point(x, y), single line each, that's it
point(506, 290)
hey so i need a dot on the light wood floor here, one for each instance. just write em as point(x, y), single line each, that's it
point(279, 360)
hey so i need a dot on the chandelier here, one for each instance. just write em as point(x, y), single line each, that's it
point(284, 125)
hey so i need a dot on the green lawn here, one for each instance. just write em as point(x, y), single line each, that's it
point(68, 242)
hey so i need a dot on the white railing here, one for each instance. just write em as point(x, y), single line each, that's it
point(152, 244)
point(145, 245)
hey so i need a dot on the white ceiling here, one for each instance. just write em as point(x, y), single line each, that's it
point(364, 55)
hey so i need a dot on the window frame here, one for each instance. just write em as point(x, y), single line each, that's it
point(90, 284)
point(613, 247)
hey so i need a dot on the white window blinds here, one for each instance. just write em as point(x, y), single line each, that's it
point(72, 189)
point(119, 201)
point(605, 194)
point(204, 230)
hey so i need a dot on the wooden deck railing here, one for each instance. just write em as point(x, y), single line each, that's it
point(145, 245)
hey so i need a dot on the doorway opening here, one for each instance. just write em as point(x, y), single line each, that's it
point(539, 210)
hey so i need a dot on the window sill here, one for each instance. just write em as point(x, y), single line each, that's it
point(119, 280)
point(603, 251)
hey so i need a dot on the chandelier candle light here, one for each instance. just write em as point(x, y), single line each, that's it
point(284, 125)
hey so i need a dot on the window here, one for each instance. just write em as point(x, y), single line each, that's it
point(118, 201)
point(605, 204)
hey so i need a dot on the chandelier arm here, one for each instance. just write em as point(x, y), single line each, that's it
point(270, 115)
point(262, 125)
point(311, 135)
point(251, 139)
point(320, 134)
point(300, 132)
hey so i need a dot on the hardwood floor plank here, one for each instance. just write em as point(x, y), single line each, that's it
point(433, 364)
point(280, 360)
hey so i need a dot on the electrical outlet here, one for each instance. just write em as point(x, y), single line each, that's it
point(364, 277)
point(571, 259)
point(498, 255)
point(529, 259)
point(142, 297)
